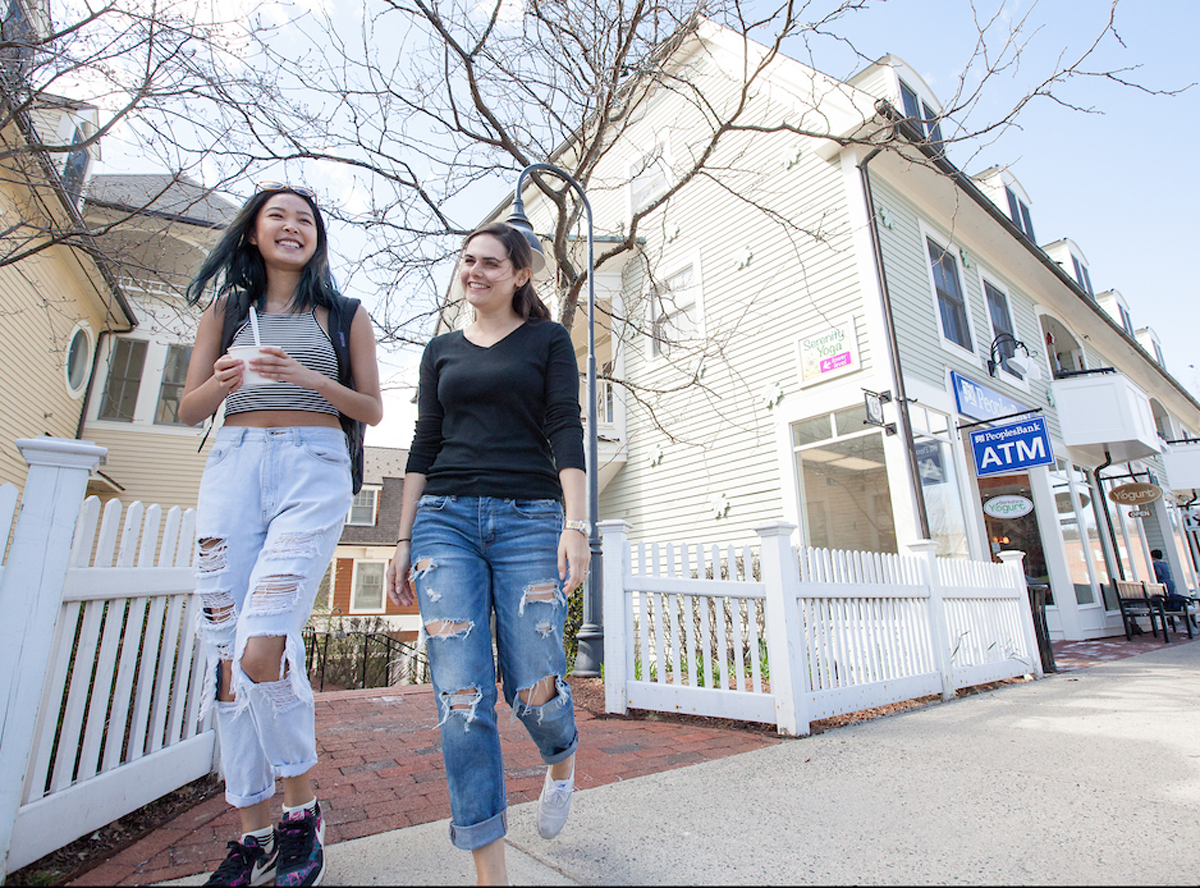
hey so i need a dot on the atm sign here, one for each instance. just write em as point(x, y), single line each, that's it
point(1012, 448)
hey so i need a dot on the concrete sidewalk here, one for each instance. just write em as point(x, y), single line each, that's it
point(1087, 777)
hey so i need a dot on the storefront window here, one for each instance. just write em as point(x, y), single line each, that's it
point(845, 499)
point(1069, 501)
point(939, 482)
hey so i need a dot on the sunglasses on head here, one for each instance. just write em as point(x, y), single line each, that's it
point(284, 186)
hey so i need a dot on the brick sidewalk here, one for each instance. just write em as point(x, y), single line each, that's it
point(380, 768)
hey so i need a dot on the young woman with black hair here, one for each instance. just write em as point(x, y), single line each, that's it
point(492, 522)
point(276, 489)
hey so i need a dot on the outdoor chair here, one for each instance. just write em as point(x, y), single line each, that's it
point(1135, 601)
point(1186, 615)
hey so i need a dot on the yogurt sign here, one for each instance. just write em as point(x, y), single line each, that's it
point(1008, 506)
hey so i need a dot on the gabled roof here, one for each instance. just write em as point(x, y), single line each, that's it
point(161, 194)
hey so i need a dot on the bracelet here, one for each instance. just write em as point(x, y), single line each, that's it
point(403, 540)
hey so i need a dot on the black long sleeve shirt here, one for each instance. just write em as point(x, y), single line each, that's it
point(498, 421)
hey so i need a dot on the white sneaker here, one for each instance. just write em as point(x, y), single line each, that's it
point(554, 805)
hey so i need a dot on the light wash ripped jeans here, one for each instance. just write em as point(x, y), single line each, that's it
point(271, 507)
point(472, 556)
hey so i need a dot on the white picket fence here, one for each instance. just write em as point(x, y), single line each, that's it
point(773, 634)
point(101, 673)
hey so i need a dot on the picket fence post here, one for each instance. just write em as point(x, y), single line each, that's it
point(1014, 560)
point(30, 599)
point(926, 550)
point(787, 656)
point(618, 618)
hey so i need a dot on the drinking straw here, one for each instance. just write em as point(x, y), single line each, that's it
point(254, 325)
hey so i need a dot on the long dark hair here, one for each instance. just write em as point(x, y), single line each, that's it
point(236, 268)
point(525, 301)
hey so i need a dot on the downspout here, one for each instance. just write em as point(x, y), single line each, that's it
point(910, 446)
point(1103, 509)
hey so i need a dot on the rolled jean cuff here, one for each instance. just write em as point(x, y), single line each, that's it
point(250, 800)
point(566, 754)
point(469, 838)
point(296, 770)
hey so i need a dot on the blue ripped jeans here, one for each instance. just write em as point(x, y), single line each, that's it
point(270, 511)
point(472, 557)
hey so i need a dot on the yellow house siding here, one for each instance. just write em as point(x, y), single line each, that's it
point(153, 468)
point(40, 303)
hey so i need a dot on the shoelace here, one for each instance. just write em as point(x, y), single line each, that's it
point(559, 792)
point(240, 856)
point(295, 840)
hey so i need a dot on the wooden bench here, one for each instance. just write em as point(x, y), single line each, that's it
point(1135, 601)
point(1158, 592)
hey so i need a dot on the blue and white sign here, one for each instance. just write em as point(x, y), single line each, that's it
point(1012, 448)
point(980, 402)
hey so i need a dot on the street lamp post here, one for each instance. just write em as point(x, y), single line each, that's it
point(590, 651)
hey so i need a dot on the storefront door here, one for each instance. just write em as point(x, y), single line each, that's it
point(1012, 523)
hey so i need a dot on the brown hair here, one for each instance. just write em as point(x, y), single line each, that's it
point(525, 301)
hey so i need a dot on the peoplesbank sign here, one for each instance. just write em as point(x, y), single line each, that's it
point(1012, 448)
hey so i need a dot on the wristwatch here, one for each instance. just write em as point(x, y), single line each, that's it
point(583, 527)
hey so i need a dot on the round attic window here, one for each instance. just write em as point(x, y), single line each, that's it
point(79, 359)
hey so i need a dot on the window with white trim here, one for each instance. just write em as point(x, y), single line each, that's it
point(1081, 275)
point(845, 499)
point(923, 116)
point(648, 178)
point(170, 392)
point(364, 508)
point(674, 312)
point(947, 285)
point(124, 379)
point(366, 592)
point(1018, 211)
point(1126, 319)
point(1001, 318)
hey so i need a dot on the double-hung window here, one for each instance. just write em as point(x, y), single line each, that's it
point(367, 593)
point(674, 313)
point(124, 379)
point(1002, 323)
point(923, 117)
point(952, 307)
point(1082, 276)
point(1018, 210)
point(363, 508)
point(171, 391)
point(648, 178)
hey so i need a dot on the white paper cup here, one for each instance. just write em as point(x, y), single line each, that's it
point(250, 376)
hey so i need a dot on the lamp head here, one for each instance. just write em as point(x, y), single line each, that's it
point(521, 223)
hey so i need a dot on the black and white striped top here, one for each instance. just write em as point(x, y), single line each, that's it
point(303, 338)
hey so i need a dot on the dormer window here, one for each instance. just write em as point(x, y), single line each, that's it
point(1158, 355)
point(924, 117)
point(1082, 276)
point(76, 168)
point(1126, 320)
point(1018, 211)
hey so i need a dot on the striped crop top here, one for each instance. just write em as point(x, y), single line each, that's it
point(303, 338)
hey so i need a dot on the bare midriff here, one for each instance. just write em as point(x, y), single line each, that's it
point(278, 419)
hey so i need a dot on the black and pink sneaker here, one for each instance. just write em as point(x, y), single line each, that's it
point(301, 847)
point(246, 864)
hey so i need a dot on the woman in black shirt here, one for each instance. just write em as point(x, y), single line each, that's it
point(492, 523)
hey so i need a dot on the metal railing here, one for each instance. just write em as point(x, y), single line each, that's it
point(363, 659)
